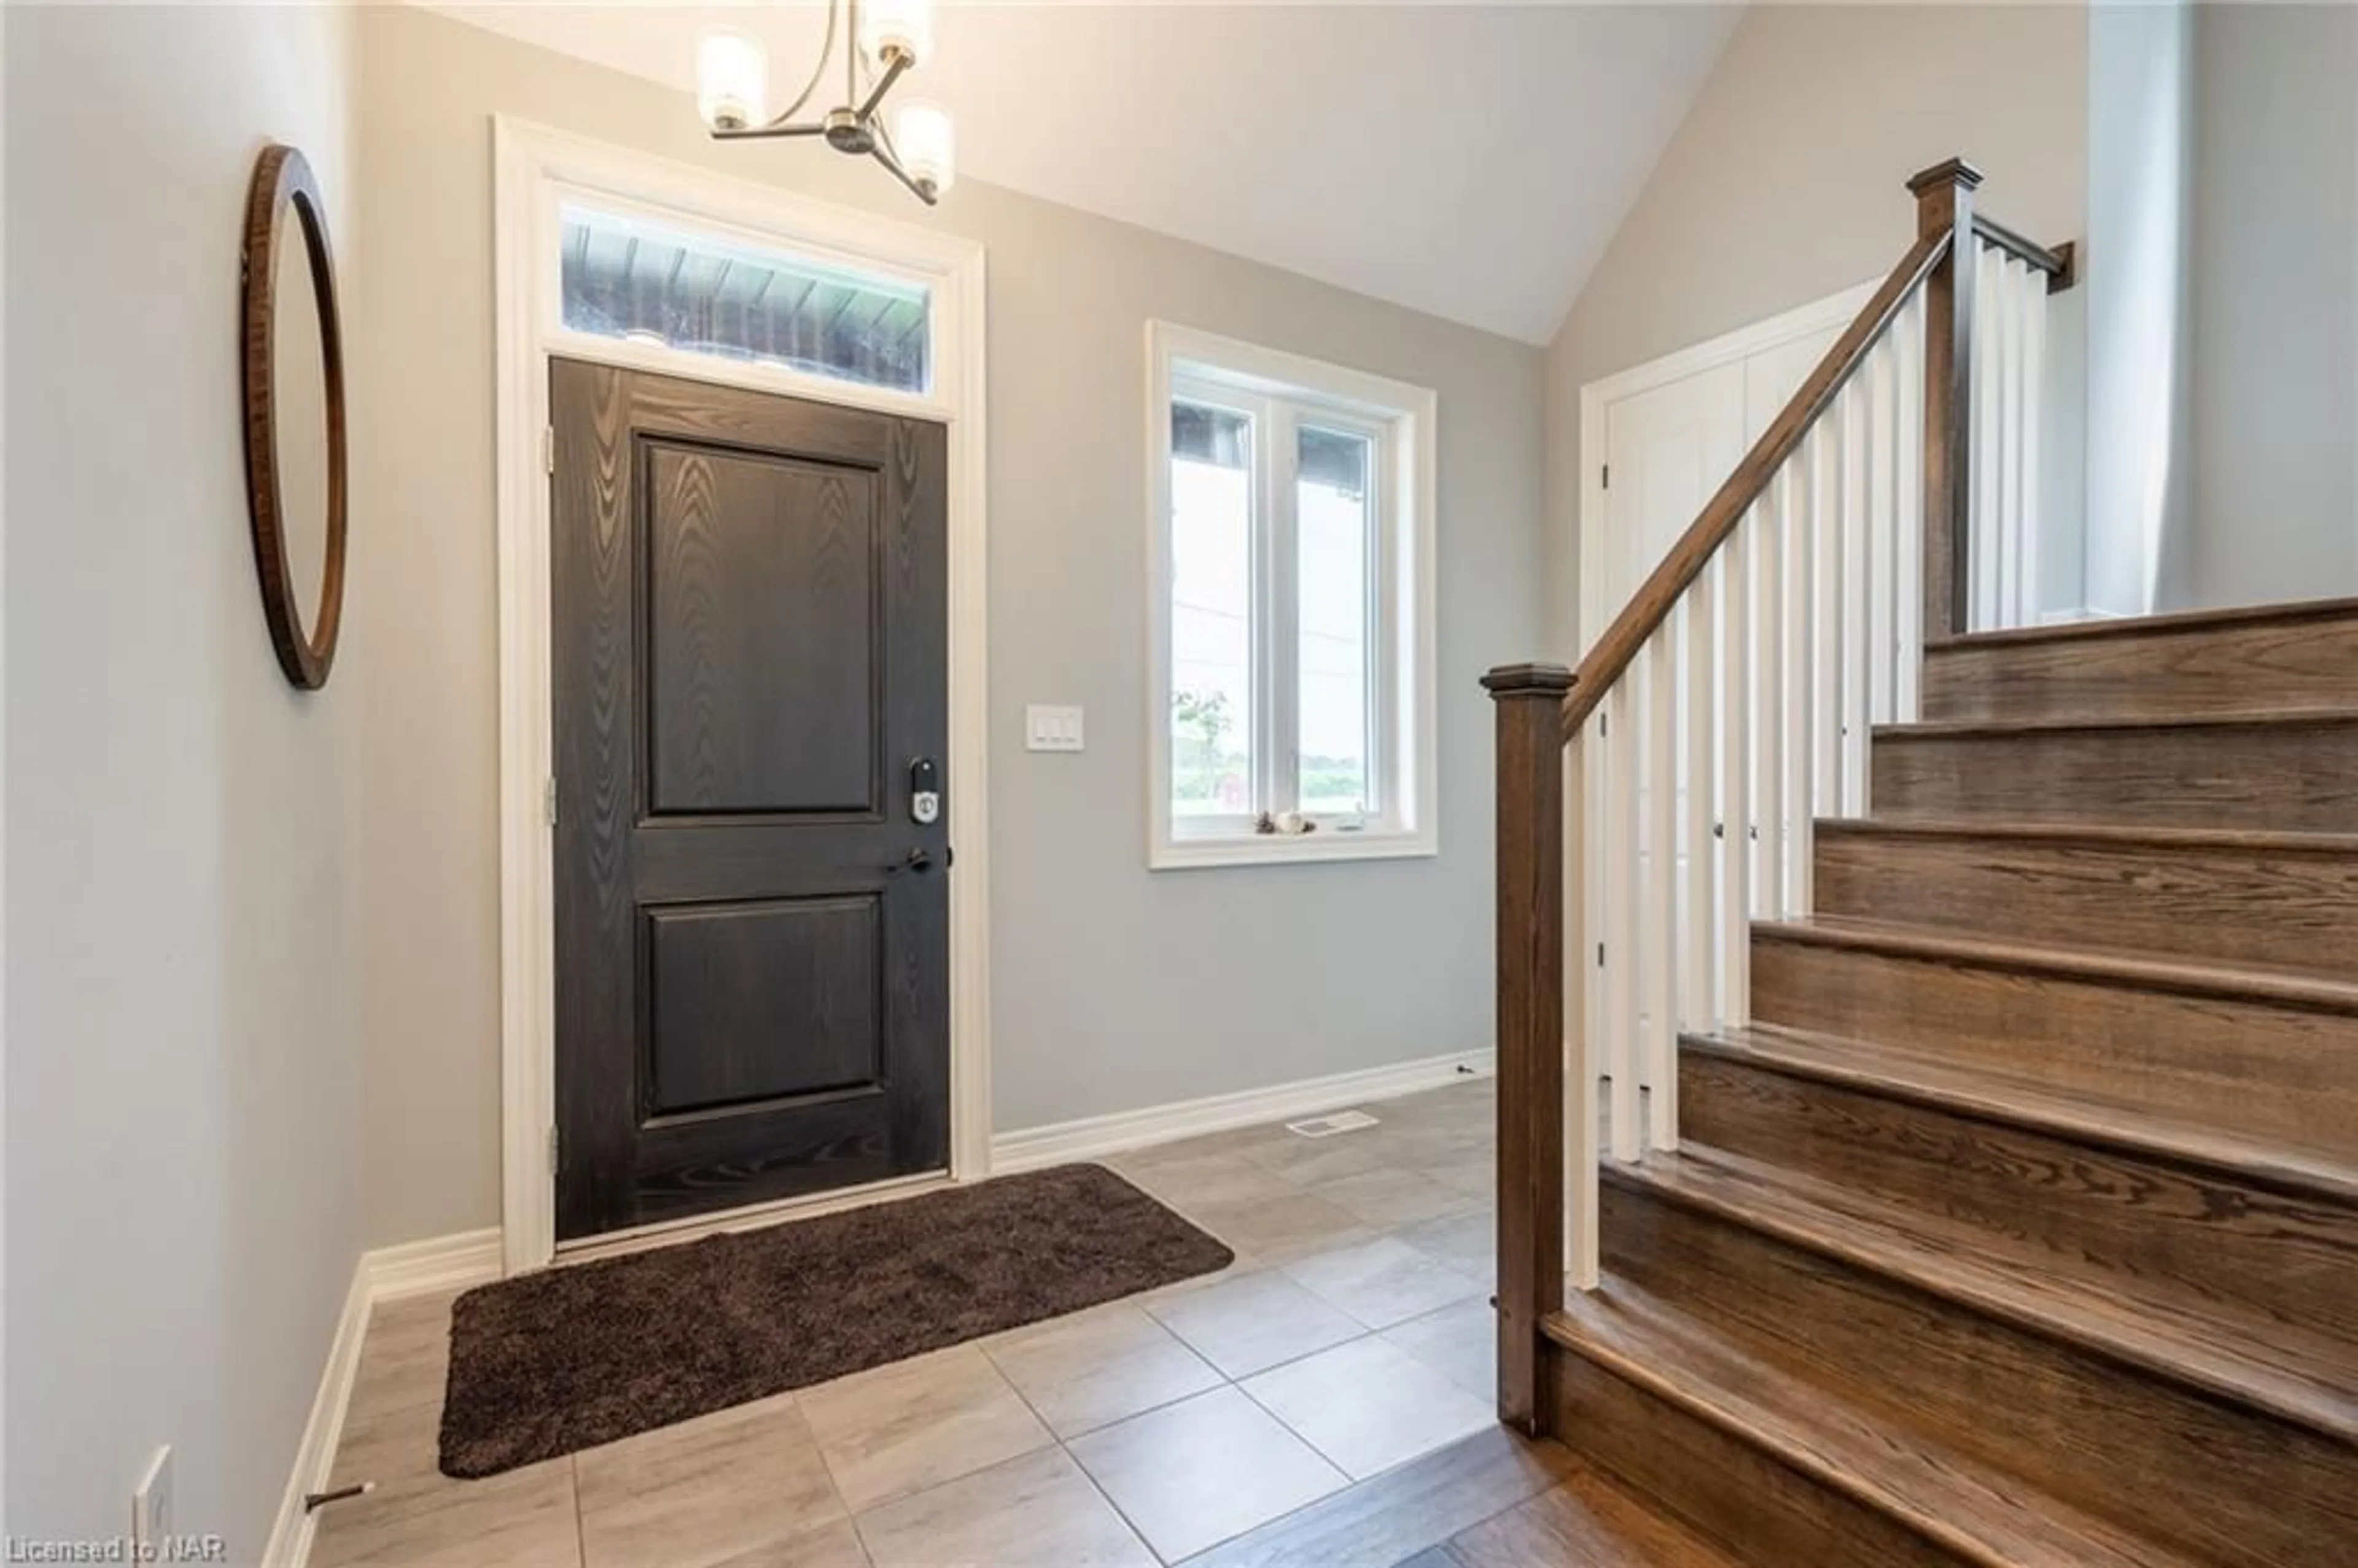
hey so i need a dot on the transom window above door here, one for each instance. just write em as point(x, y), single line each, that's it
point(639, 280)
point(1291, 511)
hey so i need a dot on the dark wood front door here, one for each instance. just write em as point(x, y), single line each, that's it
point(753, 926)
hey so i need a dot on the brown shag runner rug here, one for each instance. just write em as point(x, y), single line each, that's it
point(545, 1364)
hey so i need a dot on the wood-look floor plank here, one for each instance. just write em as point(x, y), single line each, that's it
point(1587, 1523)
point(1434, 1557)
point(1406, 1510)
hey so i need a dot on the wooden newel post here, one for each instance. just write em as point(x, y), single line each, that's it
point(1530, 707)
point(1944, 204)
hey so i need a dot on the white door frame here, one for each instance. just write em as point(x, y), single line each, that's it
point(1835, 312)
point(535, 170)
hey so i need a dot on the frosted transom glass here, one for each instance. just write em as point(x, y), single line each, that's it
point(627, 278)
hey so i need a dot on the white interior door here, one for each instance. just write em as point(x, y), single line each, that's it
point(1773, 374)
point(1668, 448)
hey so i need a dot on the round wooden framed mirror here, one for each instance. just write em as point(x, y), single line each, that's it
point(294, 381)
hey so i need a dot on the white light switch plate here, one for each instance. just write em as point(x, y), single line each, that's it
point(1049, 729)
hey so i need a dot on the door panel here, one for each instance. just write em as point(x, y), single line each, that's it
point(723, 979)
point(763, 601)
point(1774, 374)
point(1669, 448)
point(751, 934)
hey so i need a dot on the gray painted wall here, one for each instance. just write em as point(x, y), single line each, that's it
point(1112, 988)
point(1786, 184)
point(183, 967)
point(2273, 302)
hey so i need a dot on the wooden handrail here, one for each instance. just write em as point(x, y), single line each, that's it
point(2060, 265)
point(1651, 604)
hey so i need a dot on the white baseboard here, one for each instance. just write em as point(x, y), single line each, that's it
point(436, 1263)
point(1097, 1136)
point(291, 1531)
point(2074, 616)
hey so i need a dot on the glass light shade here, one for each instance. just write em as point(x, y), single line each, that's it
point(731, 80)
point(903, 25)
point(926, 143)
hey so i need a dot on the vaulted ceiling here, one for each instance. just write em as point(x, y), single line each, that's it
point(1469, 160)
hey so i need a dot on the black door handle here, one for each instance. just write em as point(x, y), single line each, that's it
point(921, 859)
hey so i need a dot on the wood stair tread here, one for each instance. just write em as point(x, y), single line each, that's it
point(2294, 1375)
point(2283, 984)
point(1983, 1516)
point(1992, 1096)
point(2175, 622)
point(1980, 728)
point(2154, 836)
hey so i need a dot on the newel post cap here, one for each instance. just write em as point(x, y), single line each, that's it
point(1528, 680)
point(1953, 171)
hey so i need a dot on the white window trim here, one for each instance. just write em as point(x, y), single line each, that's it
point(1404, 624)
point(535, 170)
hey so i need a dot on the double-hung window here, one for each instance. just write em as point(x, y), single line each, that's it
point(1291, 511)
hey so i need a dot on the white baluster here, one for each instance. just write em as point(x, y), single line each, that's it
point(1881, 526)
point(1658, 963)
point(1623, 957)
point(1581, 1208)
point(2012, 499)
point(1597, 775)
point(1735, 905)
point(1986, 544)
point(1907, 690)
point(1798, 481)
point(1699, 928)
point(2032, 375)
point(1841, 640)
point(1769, 703)
point(1861, 555)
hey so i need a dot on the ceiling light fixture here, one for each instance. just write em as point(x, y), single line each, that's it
point(883, 40)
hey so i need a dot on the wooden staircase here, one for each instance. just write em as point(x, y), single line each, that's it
point(2019, 1226)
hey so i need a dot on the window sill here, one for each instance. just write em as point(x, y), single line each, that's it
point(1287, 849)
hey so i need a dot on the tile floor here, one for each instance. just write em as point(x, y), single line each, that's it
point(1352, 1333)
